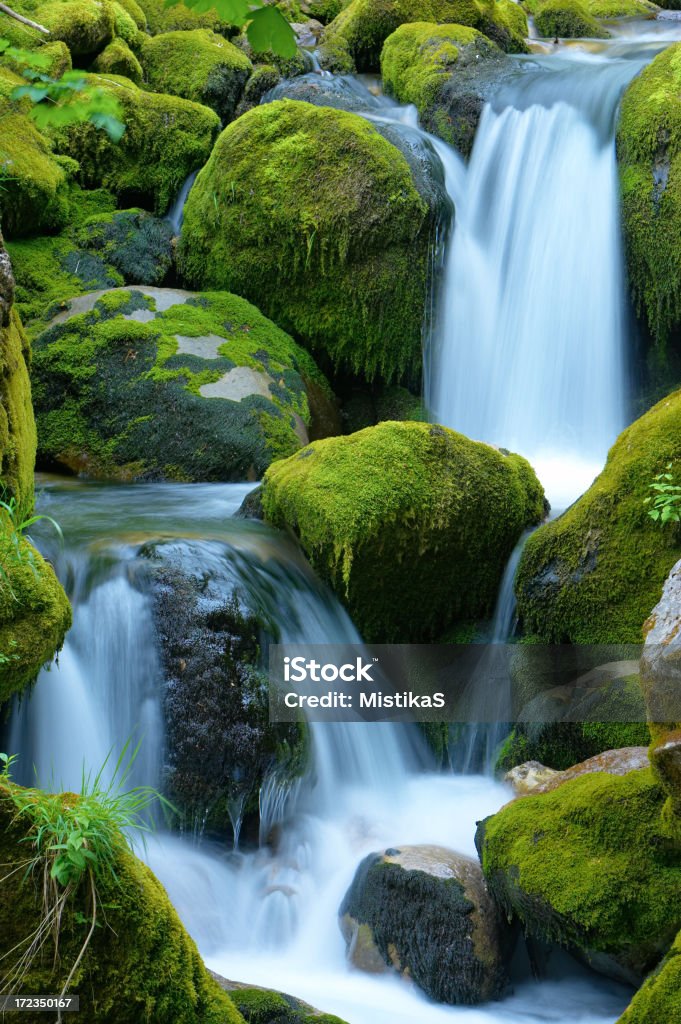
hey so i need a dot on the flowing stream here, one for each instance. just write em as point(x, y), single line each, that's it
point(528, 351)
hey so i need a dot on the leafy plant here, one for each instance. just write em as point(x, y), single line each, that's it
point(15, 546)
point(266, 27)
point(65, 100)
point(74, 840)
point(666, 501)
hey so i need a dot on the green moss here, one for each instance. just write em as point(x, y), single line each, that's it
point(622, 8)
point(311, 213)
point(180, 18)
point(326, 10)
point(106, 388)
point(34, 194)
point(411, 524)
point(586, 865)
point(658, 1001)
point(165, 139)
point(86, 26)
point(17, 425)
point(419, 58)
point(261, 1006)
point(118, 59)
point(197, 65)
point(264, 78)
point(649, 150)
point(364, 25)
point(561, 745)
point(567, 19)
point(135, 12)
point(593, 575)
point(140, 966)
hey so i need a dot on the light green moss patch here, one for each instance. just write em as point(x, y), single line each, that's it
point(594, 574)
point(567, 19)
point(658, 1001)
point(86, 26)
point(118, 59)
point(411, 524)
point(198, 65)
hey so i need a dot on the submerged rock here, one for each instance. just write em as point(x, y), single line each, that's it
point(588, 866)
point(356, 36)
point(161, 384)
point(448, 72)
point(593, 574)
point(425, 912)
point(411, 524)
point(311, 213)
point(198, 65)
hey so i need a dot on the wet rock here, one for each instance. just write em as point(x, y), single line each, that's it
point(527, 777)
point(425, 912)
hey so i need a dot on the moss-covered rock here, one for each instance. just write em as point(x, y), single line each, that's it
point(140, 965)
point(102, 248)
point(444, 71)
point(165, 138)
point(315, 216)
point(118, 59)
point(587, 866)
point(86, 26)
point(567, 19)
point(263, 1006)
point(659, 998)
point(649, 152)
point(198, 65)
point(172, 385)
point(560, 745)
point(17, 425)
point(34, 193)
point(180, 18)
point(411, 524)
point(425, 912)
point(593, 574)
point(622, 8)
point(362, 27)
point(264, 78)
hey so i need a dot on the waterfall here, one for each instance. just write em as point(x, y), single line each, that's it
point(529, 347)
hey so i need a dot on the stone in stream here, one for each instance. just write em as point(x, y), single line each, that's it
point(425, 912)
point(533, 777)
point(334, 243)
point(154, 383)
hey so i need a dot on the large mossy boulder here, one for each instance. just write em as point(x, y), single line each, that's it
point(140, 964)
point(411, 524)
point(86, 26)
point(34, 611)
point(160, 384)
point(34, 194)
point(649, 153)
point(567, 19)
point(311, 213)
point(446, 72)
point(590, 867)
point(165, 139)
point(264, 1006)
point(356, 36)
point(592, 575)
point(180, 18)
point(198, 65)
point(425, 912)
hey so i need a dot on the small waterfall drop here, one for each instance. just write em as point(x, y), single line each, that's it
point(529, 348)
point(175, 214)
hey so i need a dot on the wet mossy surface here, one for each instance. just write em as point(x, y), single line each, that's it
point(411, 524)
point(589, 865)
point(658, 1001)
point(593, 575)
point(198, 65)
point(311, 213)
point(140, 967)
point(261, 1006)
point(165, 139)
point(115, 397)
point(567, 19)
point(649, 153)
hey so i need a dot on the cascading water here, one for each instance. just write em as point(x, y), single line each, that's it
point(529, 349)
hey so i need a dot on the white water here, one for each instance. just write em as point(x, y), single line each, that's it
point(529, 346)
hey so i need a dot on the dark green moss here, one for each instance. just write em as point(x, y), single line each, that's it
point(587, 865)
point(567, 19)
point(411, 524)
point(561, 745)
point(118, 59)
point(311, 213)
point(594, 574)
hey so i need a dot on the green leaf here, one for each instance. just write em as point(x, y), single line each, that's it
point(269, 30)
